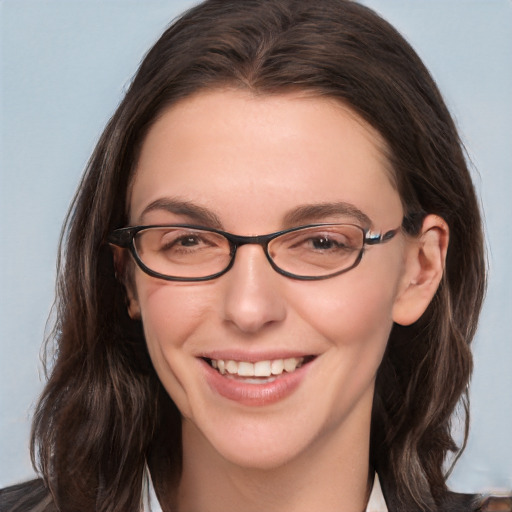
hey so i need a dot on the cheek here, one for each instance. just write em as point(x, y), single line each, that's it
point(354, 310)
point(357, 328)
point(171, 313)
point(353, 315)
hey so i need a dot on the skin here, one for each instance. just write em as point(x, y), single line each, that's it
point(251, 161)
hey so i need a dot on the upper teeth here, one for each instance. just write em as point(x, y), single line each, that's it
point(258, 369)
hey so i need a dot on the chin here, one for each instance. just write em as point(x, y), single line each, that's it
point(263, 442)
point(261, 456)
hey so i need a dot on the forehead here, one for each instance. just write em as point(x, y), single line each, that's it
point(228, 150)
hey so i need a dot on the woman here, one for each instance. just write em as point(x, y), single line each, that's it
point(285, 376)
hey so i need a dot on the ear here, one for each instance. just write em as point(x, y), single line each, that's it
point(424, 268)
point(121, 264)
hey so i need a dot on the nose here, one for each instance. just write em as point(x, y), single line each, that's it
point(253, 297)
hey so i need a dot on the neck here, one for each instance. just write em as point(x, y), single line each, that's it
point(331, 475)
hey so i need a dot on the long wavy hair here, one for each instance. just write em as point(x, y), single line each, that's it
point(104, 416)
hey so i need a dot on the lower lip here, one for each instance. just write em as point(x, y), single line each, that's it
point(254, 394)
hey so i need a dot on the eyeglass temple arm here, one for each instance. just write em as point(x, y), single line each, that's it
point(121, 237)
point(377, 238)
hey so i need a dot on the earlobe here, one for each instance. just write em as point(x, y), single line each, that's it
point(424, 268)
point(120, 265)
point(133, 305)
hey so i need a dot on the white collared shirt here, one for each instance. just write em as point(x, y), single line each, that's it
point(376, 502)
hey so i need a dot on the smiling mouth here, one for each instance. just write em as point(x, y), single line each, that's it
point(260, 371)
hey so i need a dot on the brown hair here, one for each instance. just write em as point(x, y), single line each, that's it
point(103, 413)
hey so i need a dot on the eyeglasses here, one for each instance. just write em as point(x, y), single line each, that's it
point(185, 252)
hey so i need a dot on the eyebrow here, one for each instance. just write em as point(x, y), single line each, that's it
point(311, 213)
point(196, 213)
point(303, 214)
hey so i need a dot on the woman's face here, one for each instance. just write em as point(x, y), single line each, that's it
point(252, 165)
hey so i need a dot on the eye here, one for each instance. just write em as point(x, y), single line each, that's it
point(185, 241)
point(335, 241)
point(326, 243)
point(182, 241)
point(322, 241)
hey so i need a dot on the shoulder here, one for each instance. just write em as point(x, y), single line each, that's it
point(455, 501)
point(450, 502)
point(495, 503)
point(32, 496)
point(477, 503)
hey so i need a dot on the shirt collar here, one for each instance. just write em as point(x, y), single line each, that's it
point(376, 503)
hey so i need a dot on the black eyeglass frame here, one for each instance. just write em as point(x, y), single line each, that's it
point(124, 238)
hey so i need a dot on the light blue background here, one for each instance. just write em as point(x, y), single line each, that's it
point(63, 68)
